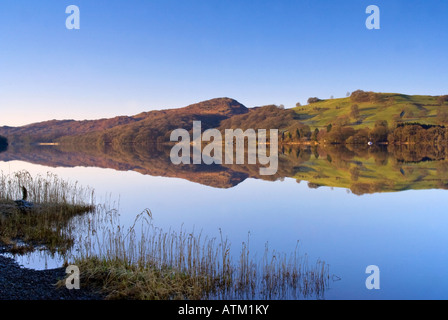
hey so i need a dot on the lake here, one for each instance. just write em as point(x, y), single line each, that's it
point(351, 208)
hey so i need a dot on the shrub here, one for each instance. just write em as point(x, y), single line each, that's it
point(363, 96)
point(313, 100)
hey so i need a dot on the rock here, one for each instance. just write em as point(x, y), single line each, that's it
point(24, 205)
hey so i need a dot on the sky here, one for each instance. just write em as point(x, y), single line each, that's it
point(141, 55)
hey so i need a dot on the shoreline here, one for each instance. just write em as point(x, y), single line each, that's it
point(20, 283)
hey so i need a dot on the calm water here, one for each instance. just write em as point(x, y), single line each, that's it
point(398, 221)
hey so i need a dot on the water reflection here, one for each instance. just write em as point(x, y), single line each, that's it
point(360, 169)
point(404, 233)
point(3, 148)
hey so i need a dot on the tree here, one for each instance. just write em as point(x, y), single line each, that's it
point(315, 134)
point(418, 133)
point(305, 131)
point(339, 134)
point(354, 113)
point(360, 137)
point(380, 132)
point(362, 96)
point(298, 104)
point(313, 100)
point(442, 100)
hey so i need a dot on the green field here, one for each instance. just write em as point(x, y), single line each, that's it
point(393, 107)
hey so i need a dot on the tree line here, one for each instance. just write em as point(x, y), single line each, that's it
point(381, 133)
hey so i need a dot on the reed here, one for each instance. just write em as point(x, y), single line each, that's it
point(146, 262)
point(44, 189)
point(143, 261)
point(48, 225)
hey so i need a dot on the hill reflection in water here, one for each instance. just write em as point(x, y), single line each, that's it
point(362, 170)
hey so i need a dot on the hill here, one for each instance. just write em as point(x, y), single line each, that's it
point(49, 131)
point(157, 126)
point(363, 109)
point(146, 127)
point(358, 119)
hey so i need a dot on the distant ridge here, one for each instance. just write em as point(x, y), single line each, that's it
point(146, 127)
point(359, 118)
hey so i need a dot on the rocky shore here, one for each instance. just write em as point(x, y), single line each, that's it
point(18, 283)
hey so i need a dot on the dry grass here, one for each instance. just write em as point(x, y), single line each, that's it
point(48, 189)
point(48, 224)
point(144, 262)
point(153, 264)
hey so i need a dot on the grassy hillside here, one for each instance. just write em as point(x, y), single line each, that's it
point(266, 117)
point(392, 107)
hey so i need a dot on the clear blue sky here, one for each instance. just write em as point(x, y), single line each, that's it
point(140, 55)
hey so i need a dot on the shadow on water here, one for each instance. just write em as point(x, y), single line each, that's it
point(3, 147)
point(360, 169)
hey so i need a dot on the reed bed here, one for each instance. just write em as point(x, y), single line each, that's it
point(48, 224)
point(146, 262)
point(44, 189)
